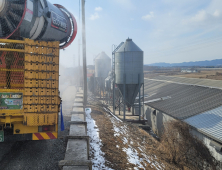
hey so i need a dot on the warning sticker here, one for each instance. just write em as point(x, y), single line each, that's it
point(29, 11)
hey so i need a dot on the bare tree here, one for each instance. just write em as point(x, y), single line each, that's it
point(179, 147)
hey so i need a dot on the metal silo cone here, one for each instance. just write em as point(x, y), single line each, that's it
point(130, 94)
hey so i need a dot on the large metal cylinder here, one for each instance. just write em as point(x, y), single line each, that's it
point(37, 20)
point(129, 70)
point(102, 65)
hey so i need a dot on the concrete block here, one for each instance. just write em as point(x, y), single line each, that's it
point(76, 150)
point(76, 164)
point(77, 105)
point(75, 168)
point(78, 122)
point(78, 117)
point(86, 138)
point(78, 130)
point(78, 100)
point(79, 95)
point(77, 110)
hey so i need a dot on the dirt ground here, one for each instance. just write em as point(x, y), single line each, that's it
point(125, 145)
point(204, 74)
point(208, 74)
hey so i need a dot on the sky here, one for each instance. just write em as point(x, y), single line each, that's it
point(170, 31)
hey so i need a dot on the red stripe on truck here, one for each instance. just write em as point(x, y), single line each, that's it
point(51, 135)
point(39, 136)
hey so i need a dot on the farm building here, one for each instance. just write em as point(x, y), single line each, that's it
point(194, 101)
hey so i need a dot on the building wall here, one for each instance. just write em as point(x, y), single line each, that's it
point(206, 140)
point(156, 122)
point(156, 119)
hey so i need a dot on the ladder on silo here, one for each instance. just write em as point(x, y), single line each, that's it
point(113, 56)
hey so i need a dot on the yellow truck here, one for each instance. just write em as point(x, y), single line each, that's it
point(29, 95)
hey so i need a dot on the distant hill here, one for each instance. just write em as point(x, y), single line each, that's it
point(217, 62)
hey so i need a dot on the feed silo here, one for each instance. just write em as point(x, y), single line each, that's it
point(102, 68)
point(129, 70)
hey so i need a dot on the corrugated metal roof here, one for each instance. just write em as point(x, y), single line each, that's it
point(186, 100)
point(209, 122)
point(191, 81)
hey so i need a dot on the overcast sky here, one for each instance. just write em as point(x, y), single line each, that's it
point(169, 31)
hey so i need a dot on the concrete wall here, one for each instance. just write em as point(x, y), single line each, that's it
point(206, 140)
point(156, 119)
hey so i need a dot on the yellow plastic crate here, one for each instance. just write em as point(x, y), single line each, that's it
point(42, 59)
point(48, 100)
point(42, 108)
point(42, 83)
point(49, 83)
point(42, 91)
point(42, 75)
point(32, 66)
point(55, 75)
point(54, 100)
point(48, 92)
point(31, 74)
point(55, 84)
point(48, 67)
point(30, 57)
point(42, 66)
point(31, 83)
point(30, 100)
point(28, 91)
point(54, 108)
point(55, 67)
point(41, 100)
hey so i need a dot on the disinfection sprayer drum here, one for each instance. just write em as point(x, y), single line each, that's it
point(36, 20)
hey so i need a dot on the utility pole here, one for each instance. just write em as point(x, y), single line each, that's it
point(84, 53)
point(79, 43)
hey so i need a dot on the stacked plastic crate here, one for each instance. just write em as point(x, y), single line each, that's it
point(41, 99)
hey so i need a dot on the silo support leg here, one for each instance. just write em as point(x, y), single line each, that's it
point(124, 97)
point(143, 101)
point(139, 97)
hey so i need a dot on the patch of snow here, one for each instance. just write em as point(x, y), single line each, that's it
point(125, 141)
point(95, 144)
point(133, 157)
point(132, 154)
